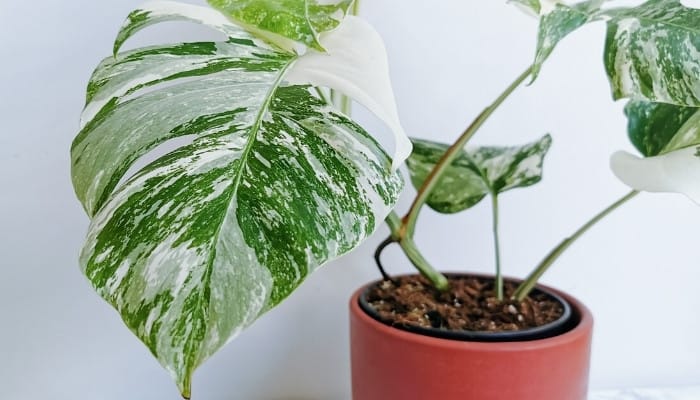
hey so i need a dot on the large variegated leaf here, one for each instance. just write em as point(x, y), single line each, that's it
point(668, 136)
point(476, 172)
point(653, 51)
point(299, 20)
point(200, 242)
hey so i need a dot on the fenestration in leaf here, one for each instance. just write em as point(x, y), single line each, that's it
point(200, 242)
point(477, 171)
point(652, 52)
point(299, 20)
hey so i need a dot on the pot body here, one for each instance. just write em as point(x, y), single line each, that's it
point(390, 363)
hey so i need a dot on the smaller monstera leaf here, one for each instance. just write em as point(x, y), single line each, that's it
point(299, 21)
point(557, 20)
point(668, 137)
point(531, 7)
point(476, 172)
point(652, 51)
point(271, 184)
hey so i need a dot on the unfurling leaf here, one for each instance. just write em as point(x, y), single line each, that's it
point(299, 21)
point(476, 172)
point(201, 241)
point(653, 51)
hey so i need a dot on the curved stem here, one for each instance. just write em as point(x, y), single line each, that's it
point(422, 265)
point(378, 257)
point(529, 283)
point(409, 221)
point(497, 247)
point(412, 253)
point(394, 222)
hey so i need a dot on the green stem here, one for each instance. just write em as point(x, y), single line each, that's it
point(322, 95)
point(341, 101)
point(529, 283)
point(394, 222)
point(497, 247)
point(412, 253)
point(345, 105)
point(335, 98)
point(422, 265)
point(409, 221)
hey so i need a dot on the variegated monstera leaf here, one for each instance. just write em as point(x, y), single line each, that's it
point(651, 50)
point(668, 137)
point(273, 182)
point(556, 21)
point(653, 55)
point(476, 172)
point(287, 20)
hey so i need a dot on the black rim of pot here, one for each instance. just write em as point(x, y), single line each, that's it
point(568, 320)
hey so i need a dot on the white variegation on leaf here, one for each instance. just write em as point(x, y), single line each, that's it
point(356, 64)
point(668, 135)
point(196, 245)
point(675, 172)
point(653, 51)
point(536, 8)
point(282, 21)
point(557, 21)
point(477, 172)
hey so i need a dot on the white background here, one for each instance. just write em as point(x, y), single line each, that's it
point(638, 270)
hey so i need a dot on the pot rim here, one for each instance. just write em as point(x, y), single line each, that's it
point(579, 311)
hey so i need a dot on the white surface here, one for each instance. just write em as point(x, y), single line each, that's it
point(687, 393)
point(449, 58)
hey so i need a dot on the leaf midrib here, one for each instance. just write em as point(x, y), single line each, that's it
point(254, 130)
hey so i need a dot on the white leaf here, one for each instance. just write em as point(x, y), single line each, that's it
point(677, 172)
point(356, 64)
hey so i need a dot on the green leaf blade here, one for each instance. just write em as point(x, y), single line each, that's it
point(299, 21)
point(653, 51)
point(460, 188)
point(477, 172)
point(557, 23)
point(259, 222)
point(201, 241)
point(668, 137)
point(555, 26)
point(655, 128)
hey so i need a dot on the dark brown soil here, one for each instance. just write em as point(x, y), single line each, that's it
point(470, 305)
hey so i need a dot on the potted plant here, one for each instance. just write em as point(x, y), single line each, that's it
point(469, 336)
point(273, 181)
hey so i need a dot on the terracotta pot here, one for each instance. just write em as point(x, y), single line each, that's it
point(389, 363)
